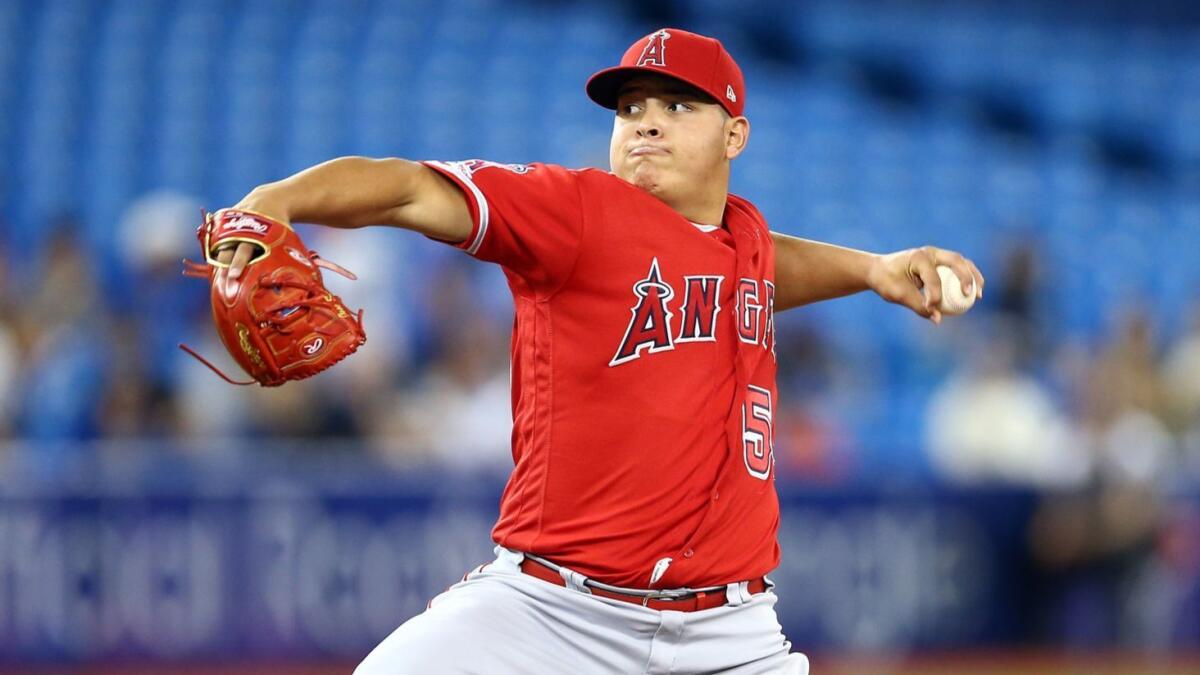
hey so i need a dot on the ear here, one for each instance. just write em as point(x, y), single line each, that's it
point(737, 134)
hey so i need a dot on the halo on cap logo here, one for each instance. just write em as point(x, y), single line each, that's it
point(655, 51)
point(729, 93)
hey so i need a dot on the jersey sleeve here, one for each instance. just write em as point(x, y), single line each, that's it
point(526, 218)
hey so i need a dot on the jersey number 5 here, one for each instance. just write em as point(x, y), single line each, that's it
point(757, 440)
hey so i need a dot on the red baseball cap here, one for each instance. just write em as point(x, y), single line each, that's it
point(695, 59)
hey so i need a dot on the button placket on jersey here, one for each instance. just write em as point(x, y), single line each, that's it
point(742, 377)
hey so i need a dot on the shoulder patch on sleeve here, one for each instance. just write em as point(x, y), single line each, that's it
point(470, 166)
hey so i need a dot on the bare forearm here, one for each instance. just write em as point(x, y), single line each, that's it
point(810, 271)
point(357, 191)
point(343, 192)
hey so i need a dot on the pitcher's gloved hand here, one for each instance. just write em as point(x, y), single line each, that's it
point(276, 319)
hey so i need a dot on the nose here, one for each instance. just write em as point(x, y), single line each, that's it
point(649, 131)
point(648, 125)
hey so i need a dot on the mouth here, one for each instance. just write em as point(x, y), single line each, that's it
point(643, 150)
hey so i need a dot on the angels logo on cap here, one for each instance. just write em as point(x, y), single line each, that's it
point(697, 60)
point(655, 53)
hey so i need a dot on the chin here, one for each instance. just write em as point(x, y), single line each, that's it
point(645, 183)
point(643, 178)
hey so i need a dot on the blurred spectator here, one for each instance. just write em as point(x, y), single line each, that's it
point(155, 233)
point(812, 442)
point(387, 281)
point(296, 411)
point(461, 409)
point(1016, 281)
point(10, 362)
point(149, 315)
point(157, 229)
point(65, 336)
point(1085, 547)
point(1089, 544)
point(991, 423)
point(1016, 284)
point(1123, 400)
point(10, 352)
point(1125, 375)
point(1181, 378)
point(209, 407)
point(135, 405)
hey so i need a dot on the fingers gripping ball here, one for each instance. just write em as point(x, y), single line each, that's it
point(954, 301)
point(279, 322)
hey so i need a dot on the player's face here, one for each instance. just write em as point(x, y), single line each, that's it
point(671, 140)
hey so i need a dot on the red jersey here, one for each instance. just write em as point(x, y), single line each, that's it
point(643, 376)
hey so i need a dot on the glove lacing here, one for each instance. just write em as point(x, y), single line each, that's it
point(312, 291)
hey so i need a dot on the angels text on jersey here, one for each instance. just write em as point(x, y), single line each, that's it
point(654, 327)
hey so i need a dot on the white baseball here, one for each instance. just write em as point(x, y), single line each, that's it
point(953, 299)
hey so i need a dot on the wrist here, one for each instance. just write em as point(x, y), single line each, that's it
point(265, 201)
point(875, 270)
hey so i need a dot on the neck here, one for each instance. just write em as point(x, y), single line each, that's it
point(704, 214)
point(706, 207)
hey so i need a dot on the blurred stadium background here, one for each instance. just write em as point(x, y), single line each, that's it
point(1014, 491)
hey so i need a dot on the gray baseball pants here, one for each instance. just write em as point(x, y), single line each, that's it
point(500, 621)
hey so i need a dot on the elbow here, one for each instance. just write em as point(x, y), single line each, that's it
point(397, 180)
point(405, 176)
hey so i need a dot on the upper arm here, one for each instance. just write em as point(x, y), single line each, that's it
point(788, 269)
point(528, 218)
point(433, 206)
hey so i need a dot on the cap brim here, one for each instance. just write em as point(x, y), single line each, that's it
point(604, 86)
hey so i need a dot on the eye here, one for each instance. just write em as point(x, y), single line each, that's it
point(630, 109)
point(679, 107)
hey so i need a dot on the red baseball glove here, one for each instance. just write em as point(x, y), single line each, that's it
point(279, 323)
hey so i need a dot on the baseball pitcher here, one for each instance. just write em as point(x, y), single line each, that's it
point(639, 523)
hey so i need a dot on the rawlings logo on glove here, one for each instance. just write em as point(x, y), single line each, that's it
point(280, 323)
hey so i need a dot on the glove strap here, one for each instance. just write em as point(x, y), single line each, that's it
point(332, 267)
point(213, 368)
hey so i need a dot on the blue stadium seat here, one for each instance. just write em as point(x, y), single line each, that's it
point(101, 101)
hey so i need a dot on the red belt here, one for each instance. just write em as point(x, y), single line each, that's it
point(692, 602)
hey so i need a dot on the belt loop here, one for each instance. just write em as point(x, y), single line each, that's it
point(733, 594)
point(574, 580)
point(508, 559)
